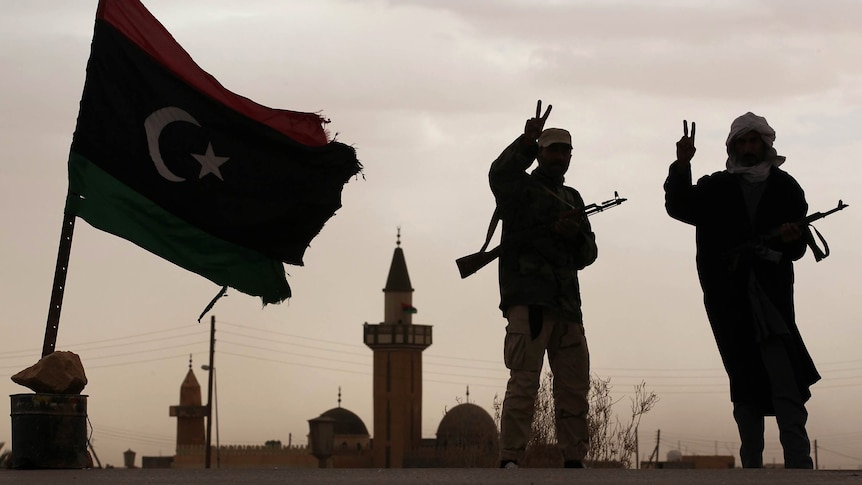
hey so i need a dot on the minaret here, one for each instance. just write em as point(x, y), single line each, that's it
point(190, 412)
point(397, 346)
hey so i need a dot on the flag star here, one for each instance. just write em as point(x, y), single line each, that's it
point(210, 163)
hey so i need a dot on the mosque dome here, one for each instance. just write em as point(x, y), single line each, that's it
point(467, 425)
point(346, 422)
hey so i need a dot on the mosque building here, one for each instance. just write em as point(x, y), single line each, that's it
point(397, 344)
point(466, 436)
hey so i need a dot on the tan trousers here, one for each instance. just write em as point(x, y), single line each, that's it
point(569, 357)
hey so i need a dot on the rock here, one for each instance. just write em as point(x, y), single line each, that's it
point(57, 373)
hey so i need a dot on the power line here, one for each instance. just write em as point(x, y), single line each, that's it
point(292, 363)
point(126, 337)
point(134, 436)
point(160, 349)
point(656, 381)
point(114, 346)
point(641, 372)
point(269, 340)
point(119, 364)
point(328, 359)
point(820, 447)
point(287, 334)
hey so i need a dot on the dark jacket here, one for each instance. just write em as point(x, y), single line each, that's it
point(537, 265)
point(726, 260)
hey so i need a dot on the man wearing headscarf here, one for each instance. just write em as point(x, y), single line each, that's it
point(747, 281)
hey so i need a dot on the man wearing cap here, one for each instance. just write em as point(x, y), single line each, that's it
point(747, 281)
point(546, 240)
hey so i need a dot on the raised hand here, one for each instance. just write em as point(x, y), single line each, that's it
point(685, 146)
point(534, 126)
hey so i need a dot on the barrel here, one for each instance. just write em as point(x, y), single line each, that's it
point(49, 431)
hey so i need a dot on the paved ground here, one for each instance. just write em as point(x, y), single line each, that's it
point(422, 476)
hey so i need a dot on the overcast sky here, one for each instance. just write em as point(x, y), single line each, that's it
point(429, 93)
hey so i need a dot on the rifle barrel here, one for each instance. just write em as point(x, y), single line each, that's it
point(593, 208)
point(820, 215)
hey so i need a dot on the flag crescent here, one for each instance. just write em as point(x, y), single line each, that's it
point(153, 125)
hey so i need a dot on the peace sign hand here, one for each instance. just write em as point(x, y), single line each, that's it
point(534, 126)
point(685, 146)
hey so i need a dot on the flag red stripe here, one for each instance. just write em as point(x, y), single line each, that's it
point(136, 23)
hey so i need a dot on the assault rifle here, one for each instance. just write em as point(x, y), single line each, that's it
point(757, 246)
point(471, 263)
point(806, 221)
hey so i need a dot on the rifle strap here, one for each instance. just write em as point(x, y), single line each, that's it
point(495, 217)
point(819, 254)
point(492, 226)
point(555, 195)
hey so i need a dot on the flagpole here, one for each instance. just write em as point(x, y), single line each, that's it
point(208, 452)
point(60, 271)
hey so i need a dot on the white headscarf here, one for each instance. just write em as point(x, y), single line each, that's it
point(742, 125)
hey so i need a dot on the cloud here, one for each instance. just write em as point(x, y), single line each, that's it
point(762, 50)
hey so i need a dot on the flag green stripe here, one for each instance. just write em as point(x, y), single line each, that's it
point(109, 205)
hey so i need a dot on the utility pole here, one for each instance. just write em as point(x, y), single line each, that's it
point(210, 393)
point(655, 451)
point(816, 461)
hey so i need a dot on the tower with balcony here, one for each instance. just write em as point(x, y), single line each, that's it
point(397, 344)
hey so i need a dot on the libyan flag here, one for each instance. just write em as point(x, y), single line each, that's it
point(167, 158)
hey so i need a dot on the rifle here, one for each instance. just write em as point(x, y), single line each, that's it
point(471, 263)
point(807, 220)
point(757, 245)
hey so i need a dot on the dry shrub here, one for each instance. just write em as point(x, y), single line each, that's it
point(613, 442)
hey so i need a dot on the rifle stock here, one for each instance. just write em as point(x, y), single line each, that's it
point(471, 263)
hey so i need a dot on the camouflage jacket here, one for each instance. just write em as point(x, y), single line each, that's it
point(537, 265)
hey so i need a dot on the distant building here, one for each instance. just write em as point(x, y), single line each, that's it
point(190, 412)
point(191, 432)
point(675, 459)
point(191, 441)
point(397, 346)
point(351, 446)
point(466, 436)
point(156, 461)
point(709, 461)
point(350, 432)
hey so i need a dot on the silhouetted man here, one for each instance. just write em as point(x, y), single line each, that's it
point(747, 281)
point(546, 240)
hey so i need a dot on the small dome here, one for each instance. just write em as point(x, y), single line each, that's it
point(466, 424)
point(346, 422)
